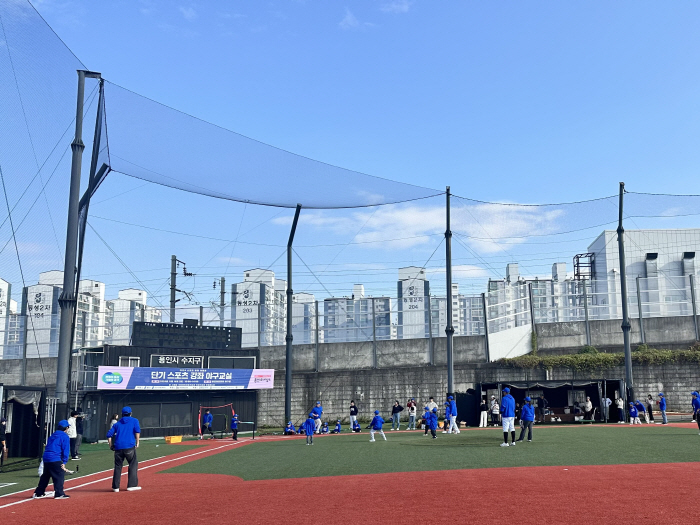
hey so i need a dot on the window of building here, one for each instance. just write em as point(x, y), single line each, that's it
point(132, 362)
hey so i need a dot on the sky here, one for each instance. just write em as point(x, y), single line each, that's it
point(504, 102)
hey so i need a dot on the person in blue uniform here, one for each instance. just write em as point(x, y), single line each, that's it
point(634, 414)
point(356, 426)
point(338, 428)
point(446, 422)
point(453, 428)
point(318, 410)
point(124, 438)
point(376, 426)
point(56, 455)
point(508, 417)
point(527, 419)
point(696, 407)
point(426, 419)
point(207, 420)
point(289, 430)
point(324, 428)
point(310, 428)
point(662, 408)
point(433, 422)
point(641, 410)
point(234, 427)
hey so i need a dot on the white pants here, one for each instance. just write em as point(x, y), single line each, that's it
point(317, 424)
point(508, 424)
point(483, 422)
point(372, 431)
point(453, 425)
point(646, 417)
point(352, 421)
point(635, 421)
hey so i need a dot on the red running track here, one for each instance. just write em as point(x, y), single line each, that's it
point(543, 495)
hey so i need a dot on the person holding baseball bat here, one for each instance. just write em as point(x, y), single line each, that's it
point(56, 455)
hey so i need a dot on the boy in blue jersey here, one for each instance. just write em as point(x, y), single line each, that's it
point(662, 408)
point(207, 420)
point(433, 422)
point(641, 410)
point(124, 438)
point(356, 426)
point(376, 426)
point(289, 430)
point(309, 428)
point(56, 455)
point(337, 428)
point(234, 427)
point(508, 417)
point(634, 414)
point(527, 419)
point(696, 407)
point(446, 421)
point(324, 428)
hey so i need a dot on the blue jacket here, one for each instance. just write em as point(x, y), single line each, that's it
point(432, 420)
point(123, 432)
point(448, 412)
point(57, 448)
point(317, 410)
point(324, 429)
point(662, 403)
point(508, 406)
point(633, 412)
point(527, 412)
point(207, 419)
point(290, 427)
point(696, 404)
point(338, 428)
point(453, 408)
point(640, 408)
point(309, 427)
point(234, 422)
point(377, 423)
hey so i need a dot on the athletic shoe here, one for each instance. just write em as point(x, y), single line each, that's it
point(434, 437)
point(520, 441)
point(371, 440)
point(308, 444)
point(504, 444)
point(115, 490)
point(63, 496)
point(444, 431)
point(529, 441)
point(512, 444)
point(45, 495)
point(133, 488)
point(76, 458)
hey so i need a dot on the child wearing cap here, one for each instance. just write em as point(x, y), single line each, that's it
point(527, 418)
point(56, 455)
point(324, 428)
point(376, 426)
point(289, 430)
point(338, 428)
point(696, 407)
point(508, 417)
point(426, 420)
point(309, 428)
point(641, 410)
point(634, 414)
point(356, 426)
point(446, 421)
point(433, 421)
point(662, 408)
point(234, 426)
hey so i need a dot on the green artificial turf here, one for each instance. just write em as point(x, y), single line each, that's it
point(410, 451)
point(95, 458)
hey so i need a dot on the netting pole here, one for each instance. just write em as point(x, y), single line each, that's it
point(623, 290)
point(449, 329)
point(222, 302)
point(641, 316)
point(695, 306)
point(486, 328)
point(67, 300)
point(585, 313)
point(173, 286)
point(289, 338)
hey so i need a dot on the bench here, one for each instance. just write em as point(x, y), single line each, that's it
point(590, 421)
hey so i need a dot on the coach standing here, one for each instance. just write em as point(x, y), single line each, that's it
point(318, 410)
point(353, 414)
point(123, 438)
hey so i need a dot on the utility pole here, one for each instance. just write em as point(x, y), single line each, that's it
point(289, 338)
point(173, 286)
point(626, 327)
point(449, 329)
point(222, 301)
point(67, 300)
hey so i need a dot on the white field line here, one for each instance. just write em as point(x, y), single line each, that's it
point(123, 473)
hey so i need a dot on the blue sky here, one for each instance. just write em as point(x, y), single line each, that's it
point(506, 101)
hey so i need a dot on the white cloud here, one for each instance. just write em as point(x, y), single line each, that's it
point(396, 6)
point(350, 22)
point(188, 12)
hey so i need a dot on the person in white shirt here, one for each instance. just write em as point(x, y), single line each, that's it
point(620, 410)
point(606, 406)
point(73, 435)
point(432, 404)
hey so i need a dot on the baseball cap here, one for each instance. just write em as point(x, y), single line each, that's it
point(506, 390)
point(126, 411)
point(425, 408)
point(661, 394)
point(63, 423)
point(318, 402)
point(312, 415)
point(376, 412)
point(434, 409)
point(527, 398)
point(450, 397)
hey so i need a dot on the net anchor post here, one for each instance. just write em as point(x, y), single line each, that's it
point(289, 337)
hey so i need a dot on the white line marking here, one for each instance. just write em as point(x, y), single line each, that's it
point(123, 473)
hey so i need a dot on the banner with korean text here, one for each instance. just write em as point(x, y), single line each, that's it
point(144, 378)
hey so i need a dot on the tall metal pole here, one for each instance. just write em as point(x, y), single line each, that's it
point(693, 298)
point(316, 353)
point(486, 328)
point(585, 313)
point(431, 352)
point(623, 290)
point(374, 336)
point(173, 286)
point(222, 301)
point(289, 338)
point(449, 329)
point(641, 315)
point(67, 300)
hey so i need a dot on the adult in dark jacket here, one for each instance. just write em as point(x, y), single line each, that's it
point(79, 418)
point(124, 438)
point(207, 420)
point(527, 418)
point(542, 405)
point(56, 455)
point(396, 415)
point(353, 414)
